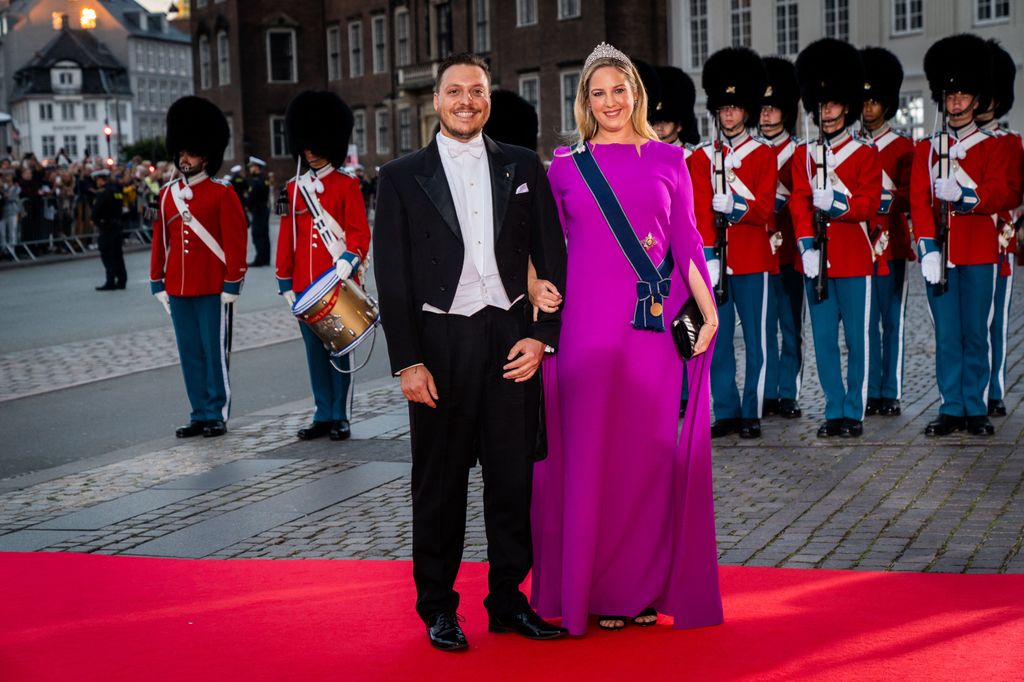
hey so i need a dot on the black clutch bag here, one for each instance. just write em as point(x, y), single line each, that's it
point(686, 327)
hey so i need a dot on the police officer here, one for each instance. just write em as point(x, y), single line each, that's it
point(257, 201)
point(319, 125)
point(888, 230)
point(106, 216)
point(734, 81)
point(841, 198)
point(198, 259)
point(962, 190)
point(786, 305)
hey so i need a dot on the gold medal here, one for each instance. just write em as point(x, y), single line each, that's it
point(656, 309)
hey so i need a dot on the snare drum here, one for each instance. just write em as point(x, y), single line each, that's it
point(341, 314)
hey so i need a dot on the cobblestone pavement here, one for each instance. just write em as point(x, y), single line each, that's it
point(893, 500)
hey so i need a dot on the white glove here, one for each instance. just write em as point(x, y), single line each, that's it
point(811, 259)
point(227, 298)
point(164, 299)
point(948, 189)
point(714, 271)
point(823, 198)
point(289, 296)
point(723, 203)
point(931, 267)
point(343, 268)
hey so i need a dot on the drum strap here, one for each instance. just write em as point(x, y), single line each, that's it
point(178, 193)
point(328, 228)
point(653, 282)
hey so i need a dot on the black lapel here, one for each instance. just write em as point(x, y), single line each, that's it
point(502, 173)
point(435, 184)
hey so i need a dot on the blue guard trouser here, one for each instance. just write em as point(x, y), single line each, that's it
point(330, 387)
point(785, 316)
point(963, 317)
point(849, 300)
point(885, 349)
point(748, 296)
point(1000, 322)
point(200, 327)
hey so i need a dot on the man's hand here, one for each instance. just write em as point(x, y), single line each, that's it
point(343, 268)
point(164, 299)
point(418, 385)
point(823, 198)
point(931, 267)
point(723, 203)
point(289, 297)
point(227, 298)
point(522, 368)
point(714, 271)
point(948, 189)
point(811, 261)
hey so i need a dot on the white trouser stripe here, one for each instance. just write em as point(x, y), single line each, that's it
point(899, 331)
point(224, 361)
point(867, 344)
point(764, 345)
point(1001, 376)
point(988, 330)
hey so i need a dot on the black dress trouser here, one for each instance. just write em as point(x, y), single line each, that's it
point(111, 246)
point(479, 415)
point(261, 235)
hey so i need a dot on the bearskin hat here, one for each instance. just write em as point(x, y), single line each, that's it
point(735, 76)
point(197, 126)
point(959, 63)
point(513, 120)
point(782, 92)
point(883, 78)
point(318, 120)
point(1004, 71)
point(652, 84)
point(831, 70)
point(677, 100)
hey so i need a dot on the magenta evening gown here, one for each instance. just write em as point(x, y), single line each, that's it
point(623, 511)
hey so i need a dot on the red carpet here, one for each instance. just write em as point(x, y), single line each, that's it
point(66, 616)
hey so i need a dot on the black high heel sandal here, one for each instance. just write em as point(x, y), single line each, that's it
point(621, 619)
point(649, 611)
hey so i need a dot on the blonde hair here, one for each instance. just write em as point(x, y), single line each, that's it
point(586, 123)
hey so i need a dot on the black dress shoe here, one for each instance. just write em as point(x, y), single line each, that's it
point(980, 426)
point(751, 428)
point(851, 428)
point(106, 287)
point(445, 633)
point(770, 408)
point(723, 427)
point(830, 427)
point(315, 430)
point(996, 408)
point(193, 429)
point(890, 407)
point(873, 407)
point(944, 425)
point(527, 623)
point(215, 428)
point(788, 409)
point(340, 430)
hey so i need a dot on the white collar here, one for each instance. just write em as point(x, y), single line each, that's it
point(964, 132)
point(779, 140)
point(193, 180)
point(877, 134)
point(475, 147)
point(322, 171)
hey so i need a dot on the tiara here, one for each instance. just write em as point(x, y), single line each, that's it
point(605, 51)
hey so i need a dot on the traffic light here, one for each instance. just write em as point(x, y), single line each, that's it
point(108, 131)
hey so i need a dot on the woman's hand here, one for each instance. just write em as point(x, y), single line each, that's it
point(544, 295)
point(704, 338)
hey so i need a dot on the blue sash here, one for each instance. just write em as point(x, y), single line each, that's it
point(653, 285)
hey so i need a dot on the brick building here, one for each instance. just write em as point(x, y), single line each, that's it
point(381, 56)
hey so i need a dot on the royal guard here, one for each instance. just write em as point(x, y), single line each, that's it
point(786, 305)
point(323, 226)
point(958, 181)
point(837, 185)
point(198, 259)
point(734, 180)
point(889, 231)
point(675, 121)
point(998, 105)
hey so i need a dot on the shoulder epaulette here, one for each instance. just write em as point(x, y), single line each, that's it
point(219, 181)
point(347, 173)
point(986, 131)
point(759, 138)
point(689, 147)
point(705, 143)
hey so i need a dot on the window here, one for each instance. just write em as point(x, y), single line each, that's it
point(739, 20)
point(359, 130)
point(45, 112)
point(281, 67)
point(379, 28)
point(334, 53)
point(355, 49)
point(404, 130)
point(92, 145)
point(204, 62)
point(443, 30)
point(698, 33)
point(89, 111)
point(58, 20)
point(278, 137)
point(223, 59)
point(705, 127)
point(568, 9)
point(87, 19)
point(526, 12)
point(570, 81)
point(383, 132)
point(910, 117)
point(907, 16)
point(67, 111)
point(403, 56)
point(986, 11)
point(229, 150)
point(787, 35)
point(529, 89)
point(482, 34)
point(837, 19)
point(71, 146)
point(49, 146)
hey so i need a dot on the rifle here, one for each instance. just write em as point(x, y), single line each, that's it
point(721, 223)
point(942, 228)
point(821, 218)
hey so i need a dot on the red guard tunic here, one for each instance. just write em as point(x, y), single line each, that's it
point(301, 254)
point(180, 262)
point(1014, 170)
point(896, 156)
point(857, 176)
point(784, 146)
point(752, 181)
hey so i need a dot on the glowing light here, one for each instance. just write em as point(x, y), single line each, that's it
point(108, 131)
point(110, 161)
point(88, 18)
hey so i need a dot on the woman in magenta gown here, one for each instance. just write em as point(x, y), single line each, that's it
point(623, 515)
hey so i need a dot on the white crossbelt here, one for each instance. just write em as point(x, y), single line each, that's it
point(326, 226)
point(178, 191)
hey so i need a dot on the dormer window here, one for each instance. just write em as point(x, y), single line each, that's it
point(66, 77)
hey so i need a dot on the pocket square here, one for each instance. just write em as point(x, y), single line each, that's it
point(522, 189)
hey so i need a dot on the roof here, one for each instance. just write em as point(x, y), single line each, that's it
point(102, 73)
point(128, 13)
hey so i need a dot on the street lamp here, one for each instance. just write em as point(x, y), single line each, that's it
point(108, 131)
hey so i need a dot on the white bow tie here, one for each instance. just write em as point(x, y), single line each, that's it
point(473, 147)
